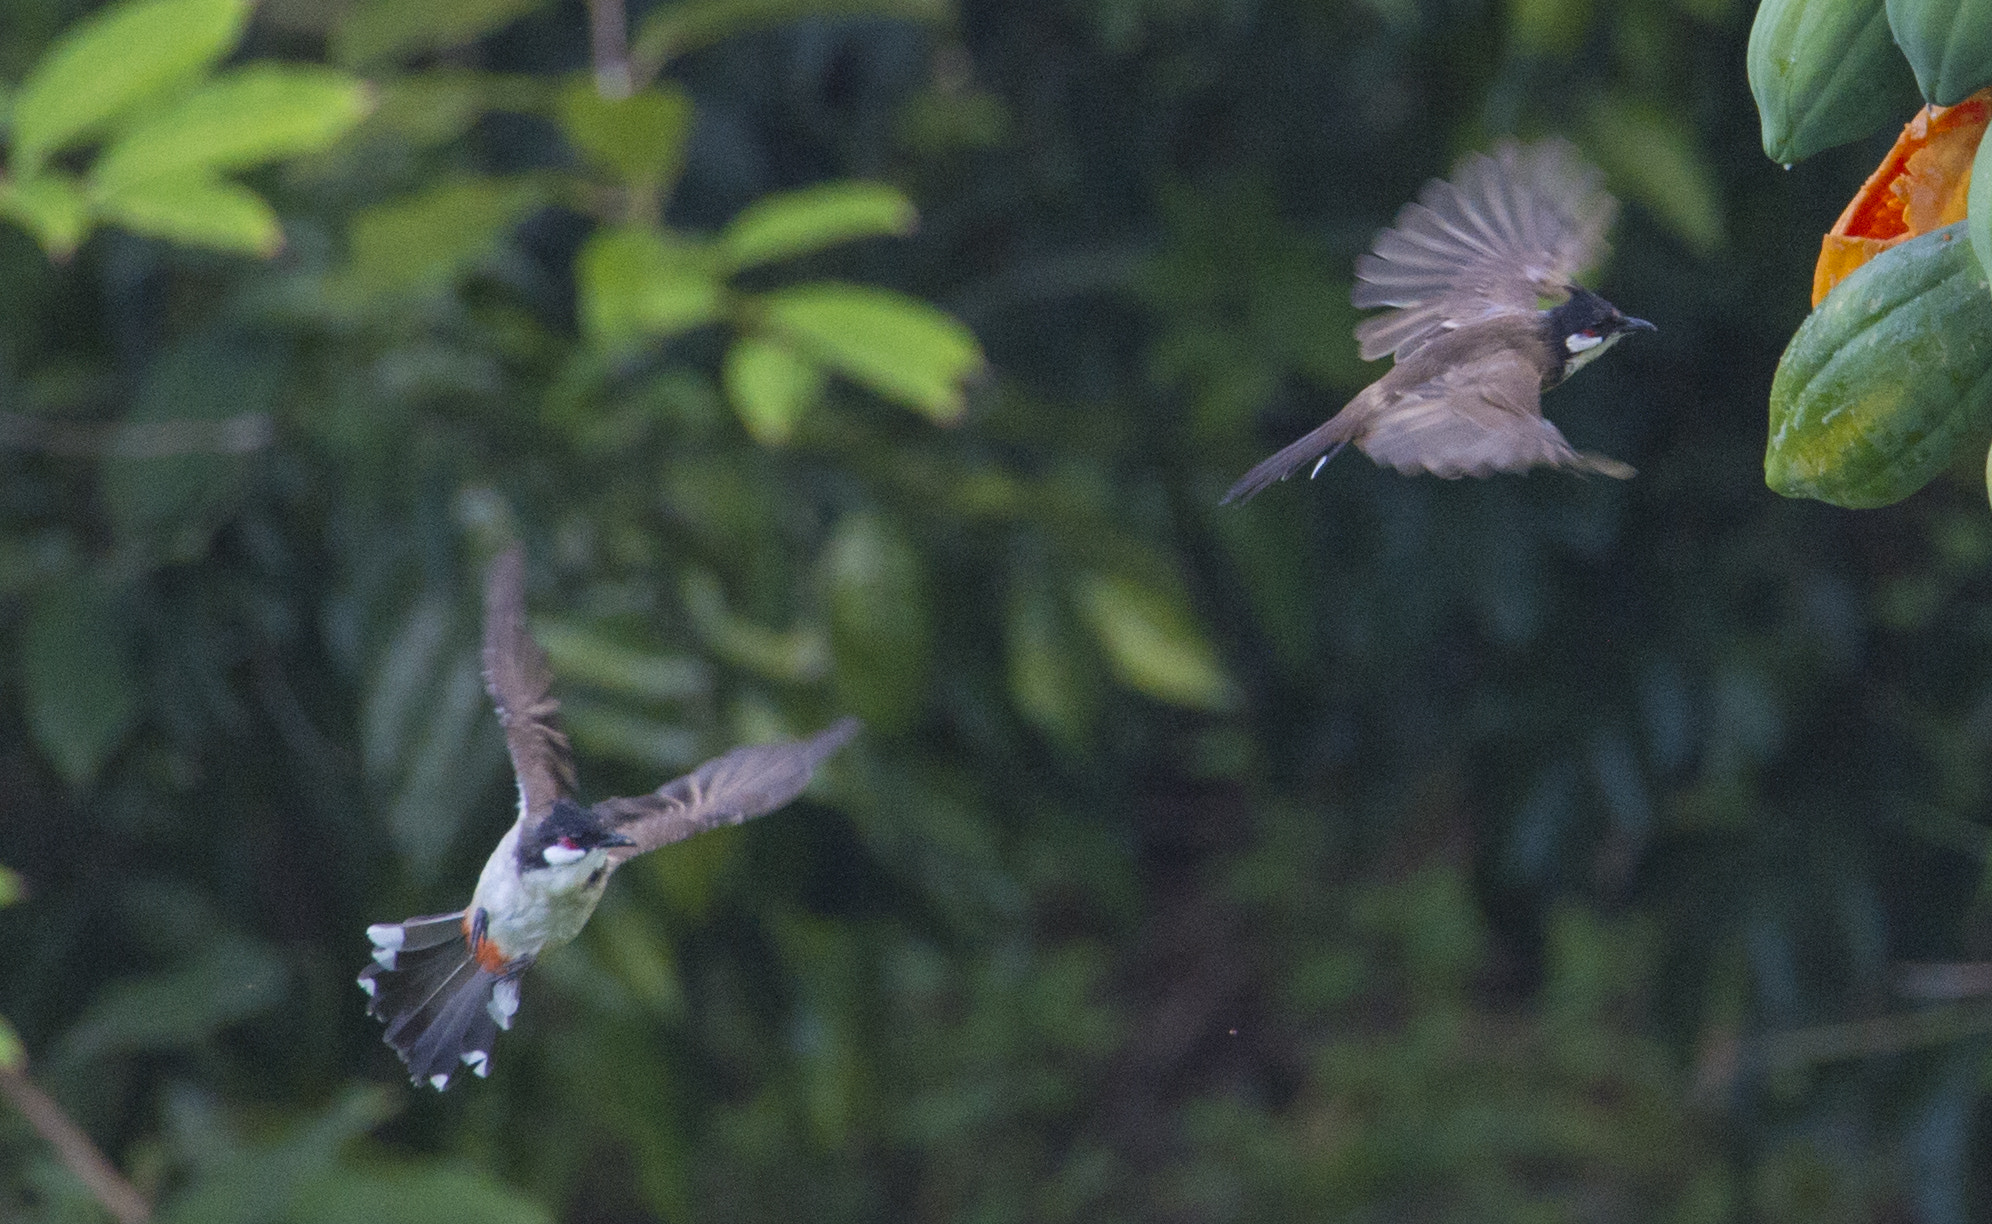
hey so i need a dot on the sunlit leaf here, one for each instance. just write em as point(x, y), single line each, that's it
point(792, 223)
point(51, 206)
point(80, 689)
point(376, 30)
point(119, 57)
point(639, 139)
point(898, 346)
point(771, 386)
point(582, 656)
point(1153, 644)
point(208, 212)
point(881, 623)
point(799, 656)
point(253, 115)
point(602, 730)
point(635, 285)
point(419, 243)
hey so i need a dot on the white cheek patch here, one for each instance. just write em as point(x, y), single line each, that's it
point(504, 1003)
point(1578, 342)
point(561, 856)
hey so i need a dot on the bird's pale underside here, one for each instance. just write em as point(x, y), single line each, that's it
point(1465, 272)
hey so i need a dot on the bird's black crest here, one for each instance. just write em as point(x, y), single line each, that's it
point(583, 828)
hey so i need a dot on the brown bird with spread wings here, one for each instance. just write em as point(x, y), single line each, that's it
point(1464, 271)
point(445, 984)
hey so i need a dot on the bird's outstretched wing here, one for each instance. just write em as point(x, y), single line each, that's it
point(519, 681)
point(742, 784)
point(1477, 418)
point(1502, 232)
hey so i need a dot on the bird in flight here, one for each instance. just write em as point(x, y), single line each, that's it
point(1466, 270)
point(445, 984)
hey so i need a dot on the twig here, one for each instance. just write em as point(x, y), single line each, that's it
point(90, 1165)
point(608, 28)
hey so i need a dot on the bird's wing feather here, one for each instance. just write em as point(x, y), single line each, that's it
point(1474, 419)
point(742, 784)
point(1503, 231)
point(519, 680)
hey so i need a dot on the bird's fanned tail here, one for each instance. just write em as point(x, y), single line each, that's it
point(442, 1009)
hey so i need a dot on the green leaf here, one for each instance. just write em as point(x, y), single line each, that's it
point(51, 206)
point(881, 623)
point(674, 30)
point(229, 979)
point(378, 30)
point(1655, 157)
point(254, 115)
point(1978, 206)
point(78, 684)
point(270, 1181)
point(582, 656)
point(117, 58)
point(640, 140)
point(771, 386)
point(898, 346)
point(1153, 645)
point(12, 887)
point(1053, 678)
point(1888, 380)
point(415, 1194)
point(1824, 72)
point(13, 1055)
point(635, 285)
point(422, 242)
point(1948, 43)
point(792, 223)
point(207, 212)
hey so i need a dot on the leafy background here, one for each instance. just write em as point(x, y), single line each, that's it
point(1535, 849)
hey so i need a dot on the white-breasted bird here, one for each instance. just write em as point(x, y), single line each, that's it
point(1465, 269)
point(445, 984)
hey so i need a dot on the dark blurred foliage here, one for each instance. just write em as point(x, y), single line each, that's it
point(1388, 849)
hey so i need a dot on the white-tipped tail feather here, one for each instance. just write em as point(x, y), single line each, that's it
point(441, 1008)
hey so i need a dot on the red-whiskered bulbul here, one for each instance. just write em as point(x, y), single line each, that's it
point(1465, 268)
point(446, 983)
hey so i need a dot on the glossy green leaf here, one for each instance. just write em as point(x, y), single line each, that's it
point(420, 243)
point(1948, 43)
point(771, 386)
point(898, 346)
point(635, 285)
point(792, 223)
point(373, 31)
point(673, 30)
point(51, 206)
point(1825, 72)
point(105, 65)
point(1888, 379)
point(207, 212)
point(881, 620)
point(256, 114)
point(1978, 206)
point(79, 687)
point(1153, 644)
point(640, 140)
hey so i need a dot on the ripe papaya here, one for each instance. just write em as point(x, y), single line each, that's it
point(1888, 379)
point(1824, 72)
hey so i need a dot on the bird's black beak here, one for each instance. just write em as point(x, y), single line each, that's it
point(611, 840)
point(1632, 324)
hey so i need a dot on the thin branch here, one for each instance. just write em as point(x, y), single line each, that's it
point(608, 28)
point(90, 1165)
